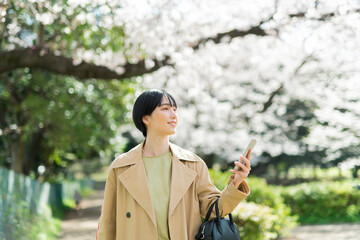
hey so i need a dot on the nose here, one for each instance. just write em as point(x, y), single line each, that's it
point(173, 114)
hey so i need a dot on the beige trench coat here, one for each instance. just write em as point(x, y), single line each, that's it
point(127, 211)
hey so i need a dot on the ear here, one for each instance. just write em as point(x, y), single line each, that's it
point(146, 119)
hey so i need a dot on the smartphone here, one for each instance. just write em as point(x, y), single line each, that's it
point(250, 145)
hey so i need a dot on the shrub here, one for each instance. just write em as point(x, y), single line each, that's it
point(256, 221)
point(263, 215)
point(264, 194)
point(324, 202)
point(270, 196)
point(218, 178)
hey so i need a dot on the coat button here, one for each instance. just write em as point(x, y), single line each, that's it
point(128, 214)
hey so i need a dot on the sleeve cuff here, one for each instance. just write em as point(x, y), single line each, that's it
point(232, 196)
point(243, 189)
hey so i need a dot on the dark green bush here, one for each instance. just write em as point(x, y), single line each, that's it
point(324, 202)
point(262, 193)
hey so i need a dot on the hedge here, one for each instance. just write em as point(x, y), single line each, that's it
point(324, 202)
point(264, 214)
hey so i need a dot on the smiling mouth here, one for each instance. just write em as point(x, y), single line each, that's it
point(172, 123)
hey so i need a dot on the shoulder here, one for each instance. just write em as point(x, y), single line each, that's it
point(118, 160)
point(128, 158)
point(189, 158)
point(184, 154)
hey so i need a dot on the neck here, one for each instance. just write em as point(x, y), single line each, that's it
point(155, 145)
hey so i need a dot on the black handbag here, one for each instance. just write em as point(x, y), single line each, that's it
point(218, 228)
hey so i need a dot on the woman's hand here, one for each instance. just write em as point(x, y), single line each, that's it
point(244, 171)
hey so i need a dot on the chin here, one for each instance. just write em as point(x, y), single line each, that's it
point(171, 132)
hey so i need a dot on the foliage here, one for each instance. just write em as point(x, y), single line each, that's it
point(62, 26)
point(324, 202)
point(219, 178)
point(21, 223)
point(60, 120)
point(257, 221)
point(53, 120)
point(282, 71)
point(27, 205)
point(304, 173)
point(264, 214)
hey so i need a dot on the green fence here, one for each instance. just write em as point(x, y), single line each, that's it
point(19, 193)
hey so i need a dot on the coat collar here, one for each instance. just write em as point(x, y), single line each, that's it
point(135, 155)
point(134, 177)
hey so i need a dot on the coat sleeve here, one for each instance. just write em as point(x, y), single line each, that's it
point(230, 197)
point(107, 221)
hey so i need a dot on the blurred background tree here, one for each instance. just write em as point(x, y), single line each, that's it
point(285, 72)
point(51, 120)
point(48, 118)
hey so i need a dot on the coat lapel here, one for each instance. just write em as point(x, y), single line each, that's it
point(181, 178)
point(135, 181)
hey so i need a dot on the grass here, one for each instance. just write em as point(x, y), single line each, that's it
point(50, 232)
point(301, 174)
point(319, 173)
point(32, 226)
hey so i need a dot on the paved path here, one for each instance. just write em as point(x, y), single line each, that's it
point(83, 225)
point(326, 232)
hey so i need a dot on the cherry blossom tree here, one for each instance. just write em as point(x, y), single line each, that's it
point(285, 72)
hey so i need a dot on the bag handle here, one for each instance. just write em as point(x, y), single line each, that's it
point(218, 216)
point(217, 210)
point(210, 210)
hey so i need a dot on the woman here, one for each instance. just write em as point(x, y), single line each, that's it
point(158, 190)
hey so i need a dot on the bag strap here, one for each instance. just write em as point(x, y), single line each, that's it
point(210, 210)
point(217, 210)
point(232, 225)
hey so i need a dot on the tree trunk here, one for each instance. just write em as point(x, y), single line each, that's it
point(340, 173)
point(355, 172)
point(277, 173)
point(17, 153)
point(315, 172)
point(32, 151)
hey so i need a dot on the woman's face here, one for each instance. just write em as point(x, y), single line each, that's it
point(163, 120)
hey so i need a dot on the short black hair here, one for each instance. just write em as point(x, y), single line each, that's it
point(146, 103)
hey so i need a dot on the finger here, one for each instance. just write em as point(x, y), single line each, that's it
point(246, 161)
point(241, 174)
point(249, 154)
point(243, 165)
point(243, 168)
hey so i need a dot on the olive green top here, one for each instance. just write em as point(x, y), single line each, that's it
point(158, 172)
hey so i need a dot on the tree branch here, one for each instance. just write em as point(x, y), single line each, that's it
point(269, 102)
point(46, 60)
point(258, 31)
point(255, 30)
